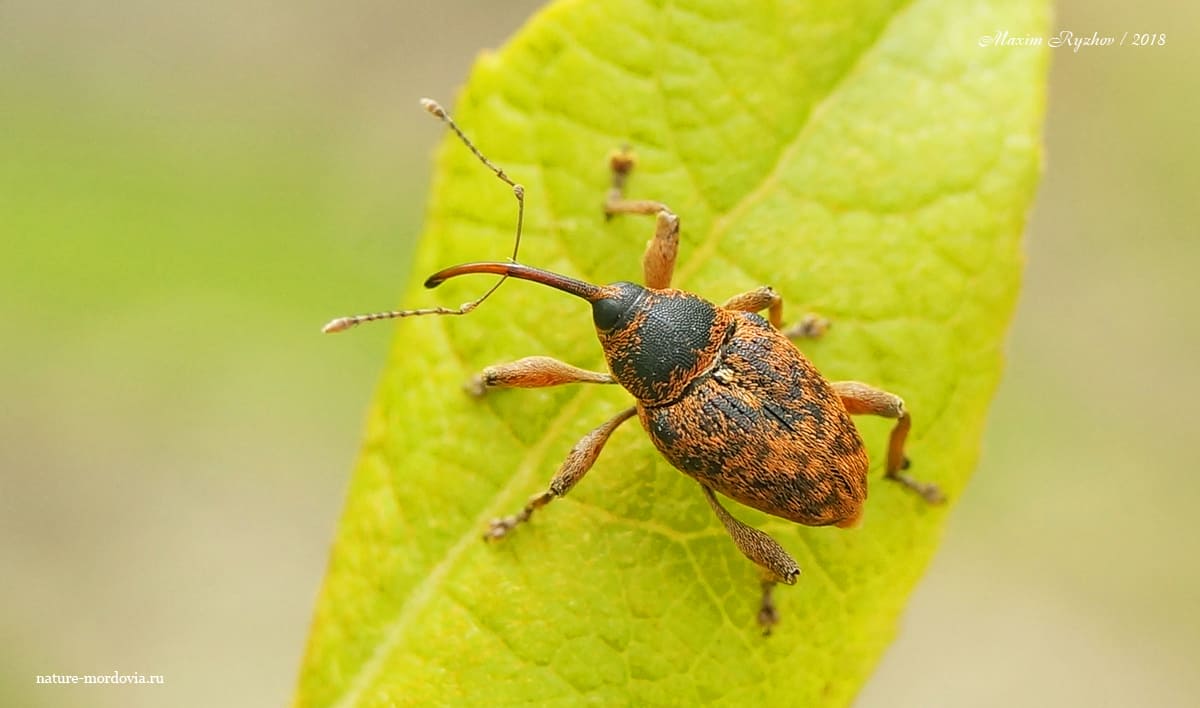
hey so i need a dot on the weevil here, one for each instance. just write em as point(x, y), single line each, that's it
point(723, 393)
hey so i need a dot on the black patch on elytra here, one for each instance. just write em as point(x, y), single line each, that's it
point(845, 444)
point(784, 416)
point(726, 407)
point(661, 428)
point(758, 319)
point(816, 412)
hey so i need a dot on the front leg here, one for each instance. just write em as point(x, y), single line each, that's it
point(810, 326)
point(658, 263)
point(533, 372)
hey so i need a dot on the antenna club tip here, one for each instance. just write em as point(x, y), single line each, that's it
point(433, 107)
point(433, 281)
point(339, 325)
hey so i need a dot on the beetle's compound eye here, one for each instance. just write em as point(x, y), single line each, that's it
point(607, 312)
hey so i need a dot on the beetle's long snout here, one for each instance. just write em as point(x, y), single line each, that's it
point(578, 288)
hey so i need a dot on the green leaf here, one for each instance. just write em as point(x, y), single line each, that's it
point(871, 160)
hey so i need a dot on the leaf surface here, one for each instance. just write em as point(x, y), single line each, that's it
point(871, 161)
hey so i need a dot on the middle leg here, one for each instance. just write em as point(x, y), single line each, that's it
point(579, 460)
point(810, 326)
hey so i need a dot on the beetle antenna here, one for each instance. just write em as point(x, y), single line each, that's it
point(435, 108)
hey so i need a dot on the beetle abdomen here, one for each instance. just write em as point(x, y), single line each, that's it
point(763, 428)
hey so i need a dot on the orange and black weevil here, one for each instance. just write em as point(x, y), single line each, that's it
point(724, 394)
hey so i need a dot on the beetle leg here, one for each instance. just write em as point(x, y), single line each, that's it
point(859, 399)
point(768, 616)
point(658, 263)
point(579, 460)
point(776, 565)
point(810, 326)
point(757, 300)
point(532, 372)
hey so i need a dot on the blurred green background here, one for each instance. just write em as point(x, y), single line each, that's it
point(187, 192)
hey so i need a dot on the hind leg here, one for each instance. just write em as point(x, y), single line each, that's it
point(861, 399)
point(776, 564)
